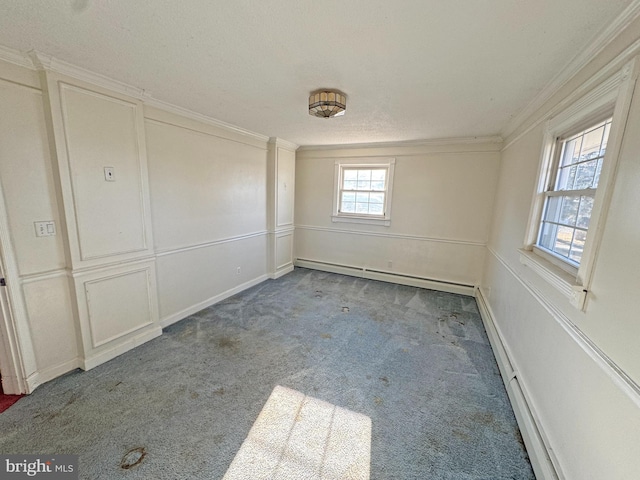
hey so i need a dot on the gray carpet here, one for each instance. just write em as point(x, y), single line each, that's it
point(417, 362)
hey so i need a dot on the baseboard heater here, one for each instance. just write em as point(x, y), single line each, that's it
point(540, 454)
point(384, 276)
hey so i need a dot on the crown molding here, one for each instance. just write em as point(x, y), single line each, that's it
point(35, 60)
point(16, 57)
point(601, 40)
point(184, 112)
point(495, 140)
point(279, 142)
point(44, 62)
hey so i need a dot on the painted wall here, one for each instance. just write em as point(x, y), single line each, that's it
point(579, 371)
point(440, 214)
point(209, 207)
point(184, 224)
point(47, 329)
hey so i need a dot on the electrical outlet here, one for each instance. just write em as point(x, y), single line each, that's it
point(238, 271)
point(109, 174)
point(389, 264)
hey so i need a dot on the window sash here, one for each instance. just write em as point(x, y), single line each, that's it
point(567, 219)
point(355, 199)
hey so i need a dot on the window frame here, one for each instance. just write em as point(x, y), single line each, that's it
point(566, 263)
point(611, 98)
point(387, 164)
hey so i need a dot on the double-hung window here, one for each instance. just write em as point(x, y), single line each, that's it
point(570, 193)
point(363, 192)
point(580, 151)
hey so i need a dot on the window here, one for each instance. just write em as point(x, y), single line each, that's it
point(581, 146)
point(570, 193)
point(363, 192)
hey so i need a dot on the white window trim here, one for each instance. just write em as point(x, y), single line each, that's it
point(614, 95)
point(385, 220)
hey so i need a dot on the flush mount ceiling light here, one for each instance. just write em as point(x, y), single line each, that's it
point(327, 104)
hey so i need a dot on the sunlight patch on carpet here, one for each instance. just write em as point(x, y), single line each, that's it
point(300, 437)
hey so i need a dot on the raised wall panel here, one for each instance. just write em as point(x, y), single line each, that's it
point(101, 131)
point(284, 251)
point(117, 307)
point(286, 177)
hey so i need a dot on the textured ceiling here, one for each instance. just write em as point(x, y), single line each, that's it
point(411, 69)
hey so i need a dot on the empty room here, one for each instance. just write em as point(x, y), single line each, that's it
point(319, 240)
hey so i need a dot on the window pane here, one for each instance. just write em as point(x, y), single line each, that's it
point(591, 143)
point(569, 210)
point(376, 198)
point(571, 151)
point(350, 184)
point(552, 213)
point(548, 235)
point(377, 185)
point(349, 197)
point(577, 246)
point(348, 207)
point(376, 208)
point(564, 236)
point(362, 197)
point(585, 175)
point(566, 178)
point(584, 213)
point(596, 178)
point(362, 208)
point(350, 174)
point(378, 174)
point(364, 179)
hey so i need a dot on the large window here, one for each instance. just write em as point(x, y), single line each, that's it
point(571, 190)
point(363, 192)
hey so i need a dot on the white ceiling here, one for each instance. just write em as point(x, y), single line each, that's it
point(411, 69)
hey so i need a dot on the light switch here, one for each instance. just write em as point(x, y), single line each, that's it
point(109, 174)
point(45, 229)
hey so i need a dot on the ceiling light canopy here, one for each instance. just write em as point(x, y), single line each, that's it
point(327, 103)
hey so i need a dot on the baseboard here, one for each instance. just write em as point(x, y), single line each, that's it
point(11, 385)
point(176, 317)
point(147, 334)
point(43, 376)
point(531, 430)
point(281, 272)
point(390, 277)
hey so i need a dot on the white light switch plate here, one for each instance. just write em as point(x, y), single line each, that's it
point(45, 229)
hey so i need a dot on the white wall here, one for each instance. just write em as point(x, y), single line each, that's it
point(184, 224)
point(209, 205)
point(45, 324)
point(580, 371)
point(440, 214)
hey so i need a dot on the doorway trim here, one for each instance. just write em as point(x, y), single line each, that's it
point(17, 356)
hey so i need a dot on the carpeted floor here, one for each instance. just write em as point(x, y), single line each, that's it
point(417, 362)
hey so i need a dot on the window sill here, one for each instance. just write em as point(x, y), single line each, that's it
point(364, 220)
point(561, 280)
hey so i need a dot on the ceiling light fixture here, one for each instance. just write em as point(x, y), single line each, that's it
point(327, 104)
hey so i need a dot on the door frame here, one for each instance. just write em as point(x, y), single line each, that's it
point(16, 348)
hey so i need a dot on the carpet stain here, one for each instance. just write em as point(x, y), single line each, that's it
point(114, 387)
point(228, 342)
point(194, 395)
point(326, 335)
point(378, 400)
point(461, 435)
point(385, 380)
point(133, 458)
point(219, 391)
